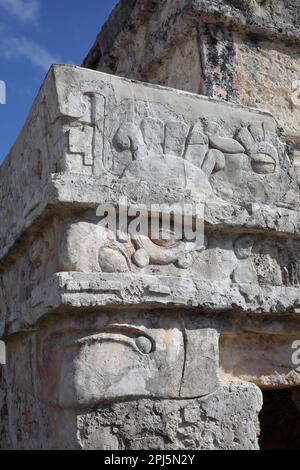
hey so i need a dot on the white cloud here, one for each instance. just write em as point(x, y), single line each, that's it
point(13, 48)
point(23, 10)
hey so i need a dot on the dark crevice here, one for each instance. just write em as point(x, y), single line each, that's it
point(280, 420)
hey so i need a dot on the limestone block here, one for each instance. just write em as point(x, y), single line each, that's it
point(105, 323)
point(241, 51)
point(225, 420)
point(73, 130)
point(274, 369)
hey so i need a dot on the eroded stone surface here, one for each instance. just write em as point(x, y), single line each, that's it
point(201, 157)
point(242, 51)
point(173, 425)
point(275, 368)
point(105, 323)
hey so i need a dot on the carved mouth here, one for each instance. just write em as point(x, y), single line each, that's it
point(263, 164)
point(166, 240)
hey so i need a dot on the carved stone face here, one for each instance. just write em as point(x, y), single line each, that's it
point(89, 247)
point(91, 359)
point(100, 329)
point(101, 375)
point(205, 158)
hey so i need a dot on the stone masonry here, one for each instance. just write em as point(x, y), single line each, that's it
point(124, 341)
point(243, 51)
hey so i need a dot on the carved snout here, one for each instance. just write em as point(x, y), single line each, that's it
point(122, 361)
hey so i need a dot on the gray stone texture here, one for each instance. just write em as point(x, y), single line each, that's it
point(143, 342)
point(244, 51)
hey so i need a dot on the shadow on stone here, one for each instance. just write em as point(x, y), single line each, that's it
point(280, 420)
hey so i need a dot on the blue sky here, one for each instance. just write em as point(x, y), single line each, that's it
point(34, 34)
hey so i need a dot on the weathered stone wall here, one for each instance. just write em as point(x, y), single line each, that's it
point(144, 342)
point(241, 51)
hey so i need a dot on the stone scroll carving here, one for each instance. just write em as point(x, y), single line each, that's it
point(116, 133)
point(100, 358)
point(163, 151)
point(142, 340)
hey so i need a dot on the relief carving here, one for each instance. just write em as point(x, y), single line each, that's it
point(34, 267)
point(164, 251)
point(85, 361)
point(162, 143)
point(267, 262)
point(258, 142)
point(86, 134)
point(104, 320)
point(117, 131)
point(90, 247)
point(295, 97)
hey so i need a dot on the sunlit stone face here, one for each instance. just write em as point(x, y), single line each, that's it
point(95, 357)
point(113, 341)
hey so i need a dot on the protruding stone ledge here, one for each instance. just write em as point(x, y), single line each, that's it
point(79, 291)
point(71, 195)
point(152, 327)
point(141, 141)
point(92, 138)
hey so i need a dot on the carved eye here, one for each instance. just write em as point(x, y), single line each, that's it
point(144, 344)
point(84, 370)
